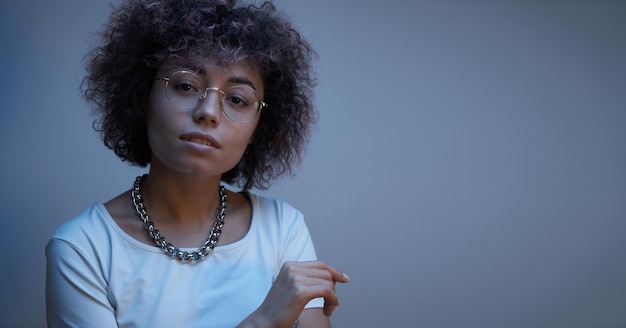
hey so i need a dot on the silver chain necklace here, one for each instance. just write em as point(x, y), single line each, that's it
point(165, 245)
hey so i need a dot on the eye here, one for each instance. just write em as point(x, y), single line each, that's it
point(184, 87)
point(236, 98)
point(185, 83)
point(241, 98)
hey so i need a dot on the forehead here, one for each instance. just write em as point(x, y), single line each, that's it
point(204, 66)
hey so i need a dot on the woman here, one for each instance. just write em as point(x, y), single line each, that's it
point(204, 92)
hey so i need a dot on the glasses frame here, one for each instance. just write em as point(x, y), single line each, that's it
point(205, 93)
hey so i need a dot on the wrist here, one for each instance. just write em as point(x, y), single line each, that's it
point(255, 320)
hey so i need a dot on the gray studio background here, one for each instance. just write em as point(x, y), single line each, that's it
point(468, 169)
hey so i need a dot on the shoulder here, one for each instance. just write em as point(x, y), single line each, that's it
point(82, 242)
point(271, 211)
point(277, 218)
point(272, 206)
point(80, 229)
point(280, 224)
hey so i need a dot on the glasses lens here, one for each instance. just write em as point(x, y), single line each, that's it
point(241, 103)
point(184, 89)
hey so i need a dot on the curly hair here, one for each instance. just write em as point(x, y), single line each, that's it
point(142, 35)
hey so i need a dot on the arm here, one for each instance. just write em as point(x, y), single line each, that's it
point(76, 294)
point(313, 318)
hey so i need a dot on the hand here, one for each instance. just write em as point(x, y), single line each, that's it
point(297, 284)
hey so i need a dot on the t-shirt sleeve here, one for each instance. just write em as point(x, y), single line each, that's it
point(299, 246)
point(76, 294)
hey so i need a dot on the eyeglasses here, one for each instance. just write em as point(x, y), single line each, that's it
point(186, 90)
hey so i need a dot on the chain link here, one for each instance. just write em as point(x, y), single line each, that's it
point(165, 245)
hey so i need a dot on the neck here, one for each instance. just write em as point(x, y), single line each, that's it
point(181, 198)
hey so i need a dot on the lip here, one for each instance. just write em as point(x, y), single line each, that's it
point(201, 139)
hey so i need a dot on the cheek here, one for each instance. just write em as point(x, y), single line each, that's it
point(251, 132)
point(241, 137)
point(160, 122)
point(252, 135)
point(160, 112)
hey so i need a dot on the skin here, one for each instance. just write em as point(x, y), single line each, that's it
point(184, 174)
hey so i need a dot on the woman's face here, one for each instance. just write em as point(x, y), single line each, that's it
point(201, 139)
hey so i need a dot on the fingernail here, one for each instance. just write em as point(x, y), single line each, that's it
point(346, 276)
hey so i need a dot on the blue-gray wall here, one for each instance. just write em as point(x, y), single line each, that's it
point(468, 170)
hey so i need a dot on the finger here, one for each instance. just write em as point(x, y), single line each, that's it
point(320, 288)
point(329, 309)
point(336, 274)
point(344, 278)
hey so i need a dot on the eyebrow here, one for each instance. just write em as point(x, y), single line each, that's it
point(231, 80)
point(241, 80)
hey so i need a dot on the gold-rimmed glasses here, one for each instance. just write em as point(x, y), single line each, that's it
point(186, 90)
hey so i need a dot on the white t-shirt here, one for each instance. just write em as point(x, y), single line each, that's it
point(99, 276)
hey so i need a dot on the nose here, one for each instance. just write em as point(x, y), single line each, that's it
point(209, 106)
